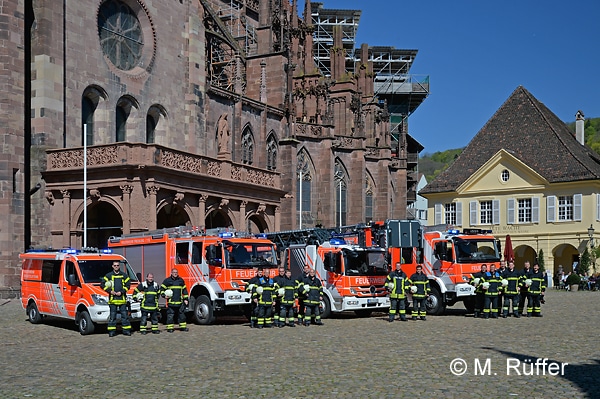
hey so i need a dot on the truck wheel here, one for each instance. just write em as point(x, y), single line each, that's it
point(33, 313)
point(434, 304)
point(326, 312)
point(203, 311)
point(469, 304)
point(84, 323)
point(363, 312)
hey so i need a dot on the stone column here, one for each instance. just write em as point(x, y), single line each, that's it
point(66, 219)
point(126, 189)
point(242, 218)
point(202, 211)
point(152, 191)
point(277, 226)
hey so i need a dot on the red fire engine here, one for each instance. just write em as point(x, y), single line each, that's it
point(215, 265)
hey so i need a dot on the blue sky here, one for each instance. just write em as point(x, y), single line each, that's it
point(477, 52)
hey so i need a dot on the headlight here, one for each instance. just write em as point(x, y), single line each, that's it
point(352, 291)
point(235, 285)
point(100, 299)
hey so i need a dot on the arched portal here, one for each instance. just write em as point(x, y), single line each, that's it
point(172, 215)
point(565, 255)
point(256, 224)
point(217, 218)
point(524, 253)
point(103, 221)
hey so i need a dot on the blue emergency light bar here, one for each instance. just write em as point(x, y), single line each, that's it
point(226, 234)
point(337, 241)
point(261, 235)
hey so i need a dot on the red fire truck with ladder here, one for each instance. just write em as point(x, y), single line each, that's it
point(215, 264)
point(352, 274)
point(448, 257)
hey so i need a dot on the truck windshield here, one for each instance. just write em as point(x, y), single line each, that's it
point(93, 271)
point(365, 263)
point(476, 250)
point(248, 255)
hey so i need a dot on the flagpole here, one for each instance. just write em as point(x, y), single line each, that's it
point(85, 185)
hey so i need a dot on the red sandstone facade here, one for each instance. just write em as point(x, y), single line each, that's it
point(188, 122)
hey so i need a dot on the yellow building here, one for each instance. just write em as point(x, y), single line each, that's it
point(525, 175)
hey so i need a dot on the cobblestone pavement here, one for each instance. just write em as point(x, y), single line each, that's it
point(348, 357)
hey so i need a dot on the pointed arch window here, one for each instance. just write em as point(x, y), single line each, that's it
point(368, 199)
point(304, 177)
point(247, 147)
point(341, 184)
point(271, 152)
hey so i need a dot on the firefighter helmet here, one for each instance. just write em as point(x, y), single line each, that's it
point(140, 296)
point(281, 291)
point(168, 293)
point(390, 285)
point(504, 282)
point(528, 282)
point(259, 290)
point(108, 285)
point(306, 287)
point(413, 289)
point(485, 285)
point(476, 280)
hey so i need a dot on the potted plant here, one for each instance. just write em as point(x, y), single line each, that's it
point(573, 281)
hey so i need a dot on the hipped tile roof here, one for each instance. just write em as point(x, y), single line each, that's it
point(528, 130)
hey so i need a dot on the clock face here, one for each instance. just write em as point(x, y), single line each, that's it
point(121, 36)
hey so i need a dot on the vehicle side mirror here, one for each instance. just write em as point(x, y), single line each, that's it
point(72, 280)
point(139, 276)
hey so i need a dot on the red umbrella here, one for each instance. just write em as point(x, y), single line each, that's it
point(509, 254)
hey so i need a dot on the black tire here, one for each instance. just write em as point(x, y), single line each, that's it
point(85, 325)
point(363, 312)
point(33, 314)
point(326, 312)
point(203, 311)
point(469, 304)
point(434, 304)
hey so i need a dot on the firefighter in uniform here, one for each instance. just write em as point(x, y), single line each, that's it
point(313, 289)
point(420, 293)
point(524, 291)
point(177, 300)
point(397, 283)
point(278, 281)
point(250, 287)
point(301, 294)
point(264, 297)
point(289, 294)
point(479, 294)
point(536, 290)
point(491, 284)
point(117, 284)
point(148, 293)
point(511, 290)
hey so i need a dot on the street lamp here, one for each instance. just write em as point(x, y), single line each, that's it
point(591, 235)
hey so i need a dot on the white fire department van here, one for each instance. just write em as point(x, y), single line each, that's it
point(67, 283)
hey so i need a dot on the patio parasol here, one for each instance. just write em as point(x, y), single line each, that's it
point(509, 254)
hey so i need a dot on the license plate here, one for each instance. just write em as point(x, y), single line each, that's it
point(372, 301)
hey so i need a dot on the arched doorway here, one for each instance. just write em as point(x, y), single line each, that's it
point(172, 215)
point(103, 221)
point(256, 224)
point(524, 253)
point(565, 255)
point(217, 218)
